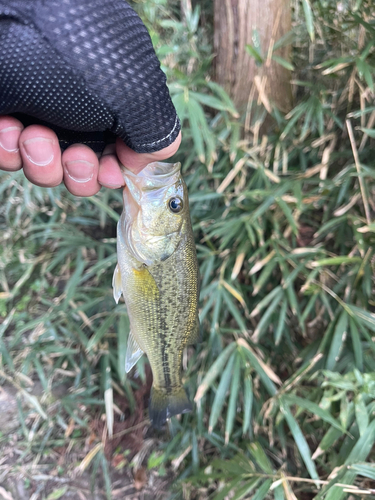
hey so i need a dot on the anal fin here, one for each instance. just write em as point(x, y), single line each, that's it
point(133, 353)
point(116, 284)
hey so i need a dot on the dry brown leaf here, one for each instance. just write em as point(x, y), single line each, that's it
point(140, 478)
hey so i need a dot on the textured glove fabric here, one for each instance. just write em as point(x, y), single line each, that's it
point(86, 67)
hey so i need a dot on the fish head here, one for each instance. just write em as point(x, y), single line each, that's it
point(155, 211)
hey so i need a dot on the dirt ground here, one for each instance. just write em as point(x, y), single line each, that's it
point(26, 476)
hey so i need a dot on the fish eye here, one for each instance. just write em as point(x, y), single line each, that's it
point(175, 205)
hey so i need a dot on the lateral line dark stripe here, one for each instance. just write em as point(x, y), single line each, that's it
point(164, 355)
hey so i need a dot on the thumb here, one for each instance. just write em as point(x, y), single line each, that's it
point(137, 161)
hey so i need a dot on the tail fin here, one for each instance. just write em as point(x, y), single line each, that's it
point(164, 405)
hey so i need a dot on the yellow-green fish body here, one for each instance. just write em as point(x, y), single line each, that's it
point(158, 275)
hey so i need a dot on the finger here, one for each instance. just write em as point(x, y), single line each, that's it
point(41, 156)
point(81, 167)
point(137, 161)
point(109, 171)
point(10, 131)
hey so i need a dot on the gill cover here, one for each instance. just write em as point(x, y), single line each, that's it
point(154, 201)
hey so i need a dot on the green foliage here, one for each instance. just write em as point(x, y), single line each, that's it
point(284, 379)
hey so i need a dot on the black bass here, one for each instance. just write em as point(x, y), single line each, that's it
point(157, 273)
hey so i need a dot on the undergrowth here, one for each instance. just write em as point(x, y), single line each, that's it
point(284, 380)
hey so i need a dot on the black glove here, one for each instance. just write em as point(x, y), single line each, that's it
point(81, 67)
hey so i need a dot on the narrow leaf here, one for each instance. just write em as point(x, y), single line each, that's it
point(299, 439)
point(214, 371)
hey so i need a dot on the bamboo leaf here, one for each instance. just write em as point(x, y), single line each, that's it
point(299, 439)
point(248, 404)
point(219, 400)
point(214, 371)
point(262, 490)
point(266, 318)
point(314, 409)
point(309, 18)
point(357, 347)
point(337, 340)
point(361, 414)
point(232, 405)
point(265, 373)
point(364, 469)
point(260, 457)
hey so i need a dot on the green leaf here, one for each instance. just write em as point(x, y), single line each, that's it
point(337, 340)
point(232, 405)
point(288, 214)
point(197, 124)
point(309, 19)
point(269, 385)
point(213, 102)
point(262, 490)
point(281, 323)
point(314, 409)
point(220, 399)
point(369, 131)
point(56, 494)
point(33, 401)
point(100, 332)
point(283, 62)
point(357, 346)
point(267, 317)
point(260, 457)
point(266, 300)
point(364, 469)
point(214, 371)
point(228, 488)
point(299, 439)
point(246, 489)
point(363, 446)
point(234, 310)
point(248, 403)
point(73, 282)
point(108, 210)
point(250, 49)
point(359, 453)
point(337, 261)
point(361, 414)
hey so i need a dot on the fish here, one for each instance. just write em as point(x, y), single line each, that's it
point(157, 273)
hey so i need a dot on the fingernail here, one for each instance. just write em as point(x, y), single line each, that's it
point(112, 186)
point(79, 170)
point(39, 151)
point(9, 139)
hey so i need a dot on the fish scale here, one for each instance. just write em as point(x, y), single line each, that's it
point(157, 274)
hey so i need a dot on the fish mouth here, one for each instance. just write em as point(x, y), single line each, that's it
point(154, 175)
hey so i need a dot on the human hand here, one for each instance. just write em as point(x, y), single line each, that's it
point(80, 67)
point(36, 149)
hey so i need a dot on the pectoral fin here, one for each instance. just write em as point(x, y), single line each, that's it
point(116, 284)
point(133, 353)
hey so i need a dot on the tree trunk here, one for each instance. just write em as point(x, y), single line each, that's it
point(238, 23)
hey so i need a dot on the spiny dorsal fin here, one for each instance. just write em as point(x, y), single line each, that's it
point(116, 284)
point(133, 353)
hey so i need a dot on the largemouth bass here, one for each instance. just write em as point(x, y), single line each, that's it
point(157, 273)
